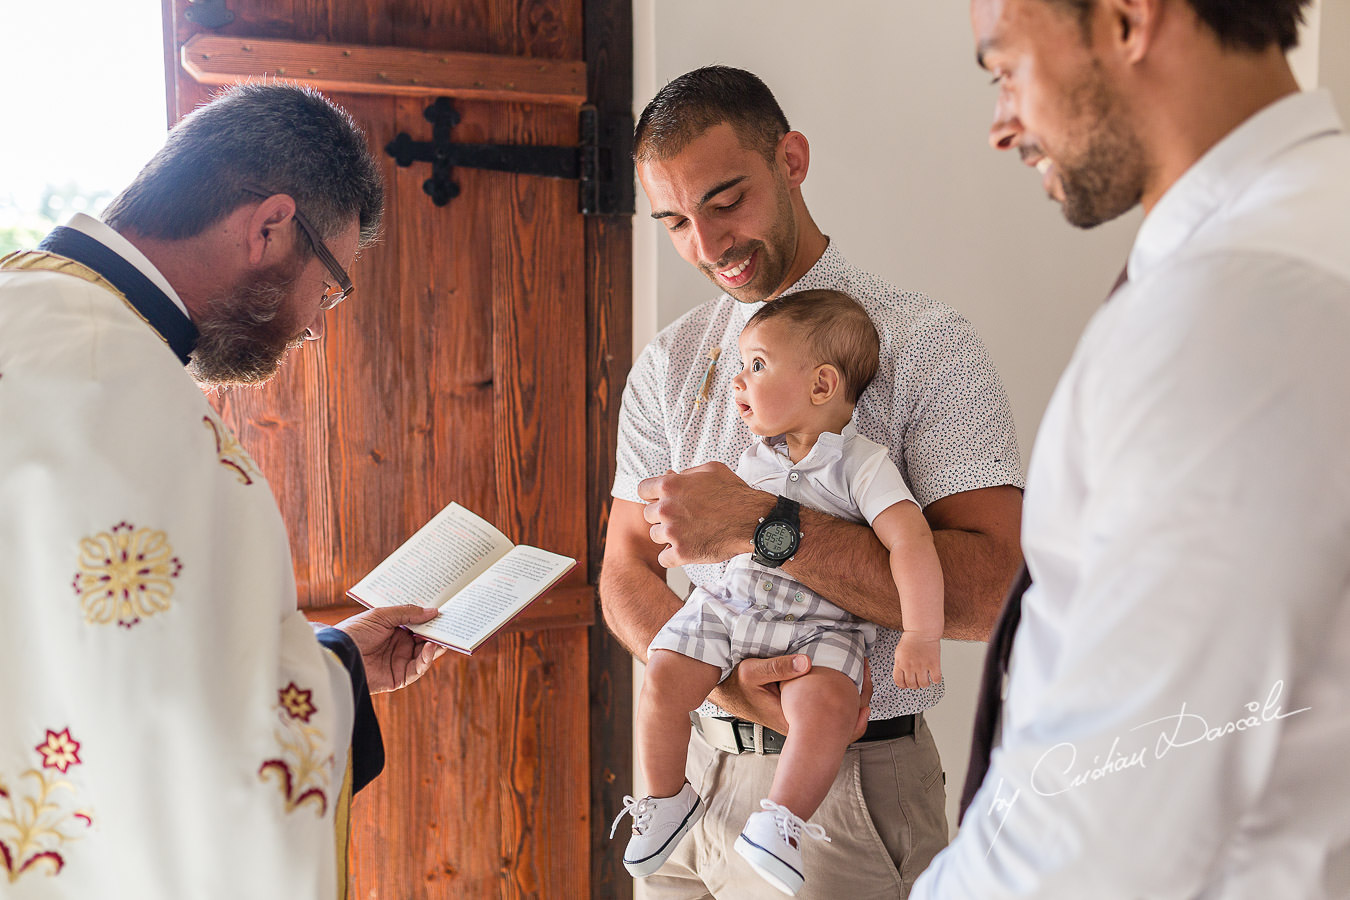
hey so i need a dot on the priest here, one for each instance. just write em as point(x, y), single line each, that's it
point(171, 725)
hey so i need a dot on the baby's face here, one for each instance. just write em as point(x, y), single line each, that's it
point(772, 391)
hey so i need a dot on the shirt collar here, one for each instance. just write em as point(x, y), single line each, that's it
point(109, 238)
point(828, 447)
point(821, 275)
point(1225, 169)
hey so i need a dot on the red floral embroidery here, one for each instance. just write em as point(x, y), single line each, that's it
point(59, 751)
point(296, 702)
point(303, 769)
point(230, 452)
point(35, 824)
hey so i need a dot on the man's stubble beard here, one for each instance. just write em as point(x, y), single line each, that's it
point(775, 258)
point(246, 332)
point(1107, 179)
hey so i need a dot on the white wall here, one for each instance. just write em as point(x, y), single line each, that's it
point(1334, 64)
point(904, 181)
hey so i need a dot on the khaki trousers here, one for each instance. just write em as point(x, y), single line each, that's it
point(885, 816)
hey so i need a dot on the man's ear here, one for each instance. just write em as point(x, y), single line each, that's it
point(1133, 26)
point(794, 154)
point(826, 384)
point(268, 234)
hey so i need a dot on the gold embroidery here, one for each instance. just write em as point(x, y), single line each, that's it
point(231, 453)
point(303, 773)
point(125, 575)
point(35, 826)
point(297, 702)
point(42, 261)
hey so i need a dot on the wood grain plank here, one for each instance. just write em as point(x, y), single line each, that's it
point(358, 69)
point(609, 351)
point(420, 401)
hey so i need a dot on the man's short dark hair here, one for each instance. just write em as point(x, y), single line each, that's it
point(836, 330)
point(283, 138)
point(1240, 24)
point(702, 99)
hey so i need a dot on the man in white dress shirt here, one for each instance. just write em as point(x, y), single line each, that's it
point(1177, 719)
point(172, 726)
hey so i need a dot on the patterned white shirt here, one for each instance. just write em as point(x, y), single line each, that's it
point(936, 403)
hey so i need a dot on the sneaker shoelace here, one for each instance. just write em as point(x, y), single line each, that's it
point(640, 810)
point(791, 825)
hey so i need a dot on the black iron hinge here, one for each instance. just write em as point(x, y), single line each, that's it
point(208, 13)
point(602, 162)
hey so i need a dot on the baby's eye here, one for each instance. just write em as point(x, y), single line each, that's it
point(757, 365)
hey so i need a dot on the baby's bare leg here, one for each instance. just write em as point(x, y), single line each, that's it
point(821, 709)
point(672, 687)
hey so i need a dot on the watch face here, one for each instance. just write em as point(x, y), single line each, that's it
point(777, 540)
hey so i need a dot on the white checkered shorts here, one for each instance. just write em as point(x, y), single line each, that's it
point(756, 612)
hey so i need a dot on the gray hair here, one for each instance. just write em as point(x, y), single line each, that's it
point(284, 138)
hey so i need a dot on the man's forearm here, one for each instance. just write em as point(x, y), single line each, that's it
point(846, 563)
point(976, 572)
point(636, 602)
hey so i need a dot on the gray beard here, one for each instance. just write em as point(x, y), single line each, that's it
point(244, 336)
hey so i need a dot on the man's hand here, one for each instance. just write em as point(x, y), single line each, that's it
point(394, 657)
point(703, 515)
point(751, 691)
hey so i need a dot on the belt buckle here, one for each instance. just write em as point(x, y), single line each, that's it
point(721, 734)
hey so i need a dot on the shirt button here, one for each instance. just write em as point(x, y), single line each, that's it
point(789, 618)
point(766, 586)
point(797, 597)
point(794, 476)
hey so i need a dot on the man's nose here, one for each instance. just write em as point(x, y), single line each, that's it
point(314, 331)
point(1006, 129)
point(711, 241)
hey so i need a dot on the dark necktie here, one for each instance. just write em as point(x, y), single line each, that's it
point(990, 704)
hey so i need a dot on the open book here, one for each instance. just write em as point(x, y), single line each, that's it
point(469, 569)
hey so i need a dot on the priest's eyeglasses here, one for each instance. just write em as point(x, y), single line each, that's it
point(334, 293)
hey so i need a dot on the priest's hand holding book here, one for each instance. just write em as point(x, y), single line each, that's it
point(474, 575)
point(394, 657)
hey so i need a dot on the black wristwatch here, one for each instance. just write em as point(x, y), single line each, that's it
point(778, 534)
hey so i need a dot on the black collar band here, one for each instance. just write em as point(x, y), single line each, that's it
point(162, 313)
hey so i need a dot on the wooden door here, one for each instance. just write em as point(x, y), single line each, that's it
point(480, 360)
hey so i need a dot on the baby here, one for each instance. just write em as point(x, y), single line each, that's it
point(806, 358)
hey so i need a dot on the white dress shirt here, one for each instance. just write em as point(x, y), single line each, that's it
point(1177, 722)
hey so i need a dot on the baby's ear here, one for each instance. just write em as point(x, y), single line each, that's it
point(826, 385)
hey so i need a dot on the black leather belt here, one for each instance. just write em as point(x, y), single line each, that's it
point(742, 736)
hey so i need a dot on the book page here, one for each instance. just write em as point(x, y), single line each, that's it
point(445, 554)
point(506, 588)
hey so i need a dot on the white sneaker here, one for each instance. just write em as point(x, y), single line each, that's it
point(658, 825)
point(771, 843)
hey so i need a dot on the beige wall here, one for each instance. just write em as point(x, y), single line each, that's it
point(903, 180)
point(1334, 58)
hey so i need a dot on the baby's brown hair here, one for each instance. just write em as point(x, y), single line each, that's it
point(836, 329)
